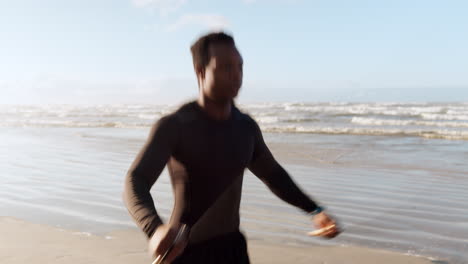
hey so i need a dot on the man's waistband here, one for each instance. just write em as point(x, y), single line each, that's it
point(234, 238)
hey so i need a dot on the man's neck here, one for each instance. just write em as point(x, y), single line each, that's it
point(215, 109)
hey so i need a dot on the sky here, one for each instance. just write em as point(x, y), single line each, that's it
point(137, 51)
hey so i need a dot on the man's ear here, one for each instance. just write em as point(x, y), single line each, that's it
point(201, 72)
point(200, 75)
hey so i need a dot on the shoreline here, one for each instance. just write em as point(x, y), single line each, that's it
point(24, 242)
point(391, 194)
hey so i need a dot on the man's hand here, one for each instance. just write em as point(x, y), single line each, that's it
point(162, 240)
point(326, 225)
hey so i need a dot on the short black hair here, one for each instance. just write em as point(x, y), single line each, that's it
point(200, 49)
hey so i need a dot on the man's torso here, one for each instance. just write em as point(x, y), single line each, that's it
point(207, 168)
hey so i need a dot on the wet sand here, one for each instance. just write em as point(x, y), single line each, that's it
point(24, 242)
point(405, 195)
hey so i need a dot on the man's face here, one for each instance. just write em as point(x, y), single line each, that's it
point(223, 74)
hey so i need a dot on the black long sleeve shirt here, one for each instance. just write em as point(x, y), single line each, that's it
point(206, 159)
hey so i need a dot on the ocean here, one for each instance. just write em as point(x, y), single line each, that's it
point(394, 174)
point(428, 120)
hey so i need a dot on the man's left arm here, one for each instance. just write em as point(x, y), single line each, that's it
point(267, 169)
point(270, 172)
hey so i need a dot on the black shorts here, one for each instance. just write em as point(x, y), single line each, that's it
point(229, 248)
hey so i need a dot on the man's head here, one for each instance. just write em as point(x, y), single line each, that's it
point(218, 66)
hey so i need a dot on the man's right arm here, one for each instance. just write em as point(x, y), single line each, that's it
point(144, 172)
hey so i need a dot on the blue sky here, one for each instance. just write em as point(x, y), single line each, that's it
point(57, 51)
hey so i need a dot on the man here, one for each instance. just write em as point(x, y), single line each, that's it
point(207, 144)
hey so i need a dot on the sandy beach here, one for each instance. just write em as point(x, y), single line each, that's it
point(24, 242)
point(391, 193)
